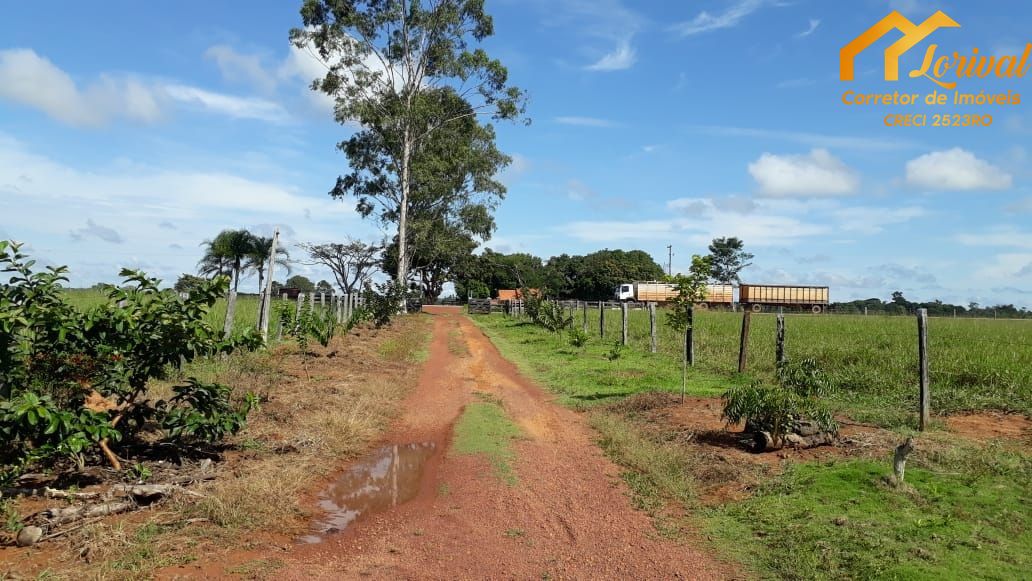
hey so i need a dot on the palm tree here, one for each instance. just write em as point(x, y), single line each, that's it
point(258, 259)
point(226, 254)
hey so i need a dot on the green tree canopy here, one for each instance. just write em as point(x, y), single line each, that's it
point(300, 282)
point(405, 71)
point(727, 257)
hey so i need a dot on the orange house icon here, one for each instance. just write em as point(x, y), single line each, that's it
point(912, 34)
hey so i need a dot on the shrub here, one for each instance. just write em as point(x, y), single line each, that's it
point(552, 316)
point(203, 412)
point(578, 338)
point(384, 302)
point(776, 409)
point(53, 357)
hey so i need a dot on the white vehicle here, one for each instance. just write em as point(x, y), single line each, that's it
point(662, 292)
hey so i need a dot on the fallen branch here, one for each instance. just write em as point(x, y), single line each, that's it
point(148, 493)
point(60, 516)
point(47, 492)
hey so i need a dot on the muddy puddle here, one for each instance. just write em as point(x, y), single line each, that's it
point(390, 476)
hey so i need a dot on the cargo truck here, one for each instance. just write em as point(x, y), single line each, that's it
point(662, 292)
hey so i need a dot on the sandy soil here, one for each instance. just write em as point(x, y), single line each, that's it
point(569, 515)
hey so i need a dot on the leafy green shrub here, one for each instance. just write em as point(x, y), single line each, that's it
point(202, 411)
point(578, 338)
point(52, 356)
point(35, 429)
point(532, 303)
point(552, 316)
point(777, 409)
point(615, 351)
point(384, 302)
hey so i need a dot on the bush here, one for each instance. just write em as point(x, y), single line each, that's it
point(384, 302)
point(578, 338)
point(776, 409)
point(202, 412)
point(53, 357)
point(552, 316)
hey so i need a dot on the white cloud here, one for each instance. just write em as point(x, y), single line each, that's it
point(872, 220)
point(1004, 237)
point(810, 139)
point(705, 22)
point(231, 106)
point(818, 174)
point(622, 57)
point(29, 79)
point(586, 121)
point(955, 169)
point(97, 231)
point(578, 190)
point(242, 68)
point(130, 202)
point(520, 165)
point(1008, 266)
point(814, 23)
point(696, 221)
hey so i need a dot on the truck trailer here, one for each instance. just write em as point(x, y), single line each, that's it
point(756, 296)
point(662, 292)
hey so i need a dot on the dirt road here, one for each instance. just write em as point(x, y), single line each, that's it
point(569, 515)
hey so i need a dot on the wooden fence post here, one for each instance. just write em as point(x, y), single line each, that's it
point(584, 310)
point(602, 319)
point(922, 353)
point(227, 328)
point(689, 338)
point(780, 339)
point(652, 327)
point(300, 303)
point(623, 322)
point(743, 348)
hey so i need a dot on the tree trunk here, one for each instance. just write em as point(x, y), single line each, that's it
point(406, 157)
point(899, 459)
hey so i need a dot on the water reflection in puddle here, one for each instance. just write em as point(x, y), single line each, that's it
point(384, 479)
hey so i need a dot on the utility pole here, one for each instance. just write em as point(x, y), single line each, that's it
point(670, 260)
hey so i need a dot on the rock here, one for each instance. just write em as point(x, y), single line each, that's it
point(29, 536)
point(841, 521)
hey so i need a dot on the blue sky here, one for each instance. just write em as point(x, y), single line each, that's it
point(130, 132)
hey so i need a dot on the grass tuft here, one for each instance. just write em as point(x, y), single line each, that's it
point(484, 429)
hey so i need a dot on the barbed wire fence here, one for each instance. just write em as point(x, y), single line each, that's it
point(967, 359)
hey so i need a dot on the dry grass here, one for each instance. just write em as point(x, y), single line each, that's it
point(305, 430)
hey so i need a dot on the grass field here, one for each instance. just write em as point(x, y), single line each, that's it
point(245, 317)
point(962, 514)
point(975, 364)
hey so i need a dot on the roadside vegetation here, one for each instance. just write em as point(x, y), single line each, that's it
point(133, 399)
point(827, 512)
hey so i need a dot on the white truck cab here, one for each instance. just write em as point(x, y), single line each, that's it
point(625, 292)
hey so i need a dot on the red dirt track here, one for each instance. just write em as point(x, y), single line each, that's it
point(569, 515)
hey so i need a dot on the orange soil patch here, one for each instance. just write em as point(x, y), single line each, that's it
point(991, 425)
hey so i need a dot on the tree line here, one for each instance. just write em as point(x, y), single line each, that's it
point(591, 277)
point(899, 305)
